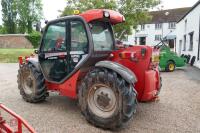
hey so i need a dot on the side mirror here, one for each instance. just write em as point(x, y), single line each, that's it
point(36, 51)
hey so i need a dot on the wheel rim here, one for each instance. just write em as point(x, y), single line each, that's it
point(28, 82)
point(171, 67)
point(102, 100)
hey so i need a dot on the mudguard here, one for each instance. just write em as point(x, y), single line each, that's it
point(35, 62)
point(126, 73)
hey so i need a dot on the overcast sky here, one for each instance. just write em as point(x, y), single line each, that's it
point(51, 7)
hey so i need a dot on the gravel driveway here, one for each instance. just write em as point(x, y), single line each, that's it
point(177, 111)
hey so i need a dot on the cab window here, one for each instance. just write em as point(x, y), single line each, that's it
point(102, 36)
point(79, 41)
point(55, 38)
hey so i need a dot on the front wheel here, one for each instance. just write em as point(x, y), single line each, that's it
point(170, 66)
point(31, 84)
point(106, 99)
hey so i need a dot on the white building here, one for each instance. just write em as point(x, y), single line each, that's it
point(162, 24)
point(188, 34)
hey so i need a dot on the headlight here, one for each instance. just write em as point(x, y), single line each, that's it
point(106, 14)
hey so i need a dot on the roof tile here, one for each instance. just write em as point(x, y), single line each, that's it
point(170, 15)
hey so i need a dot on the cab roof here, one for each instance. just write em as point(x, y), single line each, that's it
point(98, 14)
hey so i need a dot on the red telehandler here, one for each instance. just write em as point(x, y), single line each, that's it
point(77, 58)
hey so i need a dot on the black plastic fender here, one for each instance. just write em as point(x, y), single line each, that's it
point(126, 73)
point(35, 62)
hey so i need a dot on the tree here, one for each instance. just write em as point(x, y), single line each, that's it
point(83, 5)
point(29, 12)
point(9, 14)
point(135, 11)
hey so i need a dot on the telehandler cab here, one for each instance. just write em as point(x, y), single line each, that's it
point(78, 59)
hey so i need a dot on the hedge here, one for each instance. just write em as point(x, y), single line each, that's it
point(34, 38)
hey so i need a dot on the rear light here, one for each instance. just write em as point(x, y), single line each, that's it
point(122, 55)
point(129, 55)
point(155, 56)
point(20, 59)
point(126, 55)
point(26, 59)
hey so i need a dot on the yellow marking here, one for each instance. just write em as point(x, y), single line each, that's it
point(76, 12)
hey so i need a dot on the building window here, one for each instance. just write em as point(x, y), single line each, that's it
point(135, 40)
point(185, 25)
point(184, 43)
point(142, 41)
point(143, 27)
point(158, 37)
point(158, 26)
point(191, 41)
point(172, 25)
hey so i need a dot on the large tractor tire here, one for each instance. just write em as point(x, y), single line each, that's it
point(170, 67)
point(31, 84)
point(188, 59)
point(193, 60)
point(106, 99)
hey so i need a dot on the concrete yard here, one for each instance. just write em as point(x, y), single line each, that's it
point(177, 111)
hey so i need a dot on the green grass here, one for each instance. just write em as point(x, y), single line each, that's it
point(11, 55)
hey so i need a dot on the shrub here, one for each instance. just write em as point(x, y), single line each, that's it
point(34, 38)
point(2, 30)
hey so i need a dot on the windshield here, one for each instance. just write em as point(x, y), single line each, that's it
point(102, 36)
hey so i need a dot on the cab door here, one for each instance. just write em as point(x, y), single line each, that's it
point(79, 44)
point(53, 56)
point(64, 47)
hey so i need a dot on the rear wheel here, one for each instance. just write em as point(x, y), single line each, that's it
point(192, 60)
point(170, 66)
point(31, 84)
point(106, 99)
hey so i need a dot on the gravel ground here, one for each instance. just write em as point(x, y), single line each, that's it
point(178, 109)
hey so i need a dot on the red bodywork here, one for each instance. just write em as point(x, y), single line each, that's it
point(4, 127)
point(67, 88)
point(148, 76)
point(97, 14)
point(147, 73)
point(148, 80)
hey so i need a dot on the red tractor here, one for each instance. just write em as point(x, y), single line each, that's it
point(78, 59)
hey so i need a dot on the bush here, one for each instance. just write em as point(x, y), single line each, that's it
point(34, 38)
point(2, 30)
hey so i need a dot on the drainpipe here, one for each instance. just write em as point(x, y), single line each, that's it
point(198, 54)
point(175, 45)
